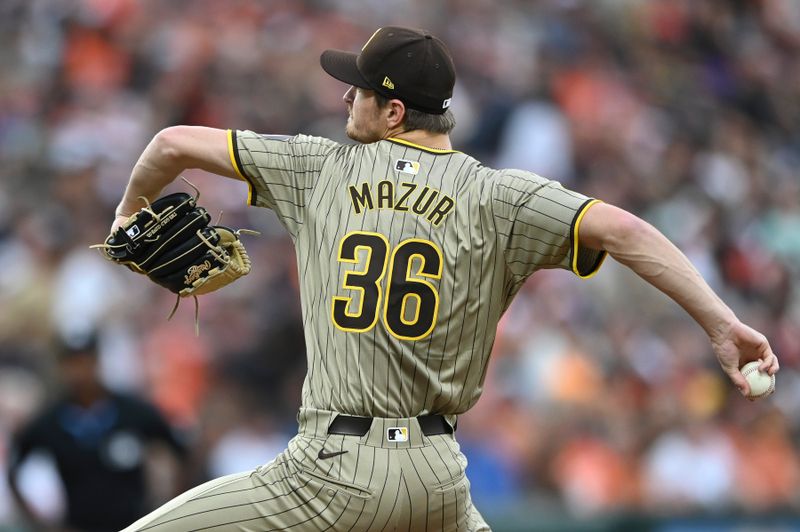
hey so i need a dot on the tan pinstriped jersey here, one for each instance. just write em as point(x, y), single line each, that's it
point(407, 258)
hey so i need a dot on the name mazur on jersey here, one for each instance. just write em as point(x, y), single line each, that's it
point(427, 202)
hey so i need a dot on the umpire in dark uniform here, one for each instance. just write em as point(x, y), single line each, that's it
point(98, 440)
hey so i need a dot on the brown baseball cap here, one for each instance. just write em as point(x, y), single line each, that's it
point(411, 65)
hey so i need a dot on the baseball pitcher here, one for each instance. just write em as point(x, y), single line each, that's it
point(408, 254)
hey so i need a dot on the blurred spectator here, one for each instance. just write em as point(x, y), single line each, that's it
point(253, 441)
point(593, 477)
point(690, 468)
point(768, 467)
point(21, 395)
point(686, 112)
point(98, 442)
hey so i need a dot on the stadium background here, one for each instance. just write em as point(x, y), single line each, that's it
point(604, 407)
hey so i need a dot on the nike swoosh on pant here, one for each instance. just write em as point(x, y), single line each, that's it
point(324, 456)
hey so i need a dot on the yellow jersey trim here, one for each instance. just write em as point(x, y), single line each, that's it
point(234, 157)
point(420, 147)
point(576, 245)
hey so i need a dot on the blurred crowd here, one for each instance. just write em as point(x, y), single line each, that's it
point(602, 396)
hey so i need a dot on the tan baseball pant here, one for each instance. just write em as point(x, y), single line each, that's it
point(392, 478)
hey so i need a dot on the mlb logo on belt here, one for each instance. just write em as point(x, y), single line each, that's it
point(406, 166)
point(397, 434)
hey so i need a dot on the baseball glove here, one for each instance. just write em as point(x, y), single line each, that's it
point(172, 242)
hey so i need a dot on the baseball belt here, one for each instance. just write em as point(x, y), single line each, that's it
point(431, 425)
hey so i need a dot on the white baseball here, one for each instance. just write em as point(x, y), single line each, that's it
point(761, 383)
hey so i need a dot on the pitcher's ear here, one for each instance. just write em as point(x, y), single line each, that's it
point(397, 113)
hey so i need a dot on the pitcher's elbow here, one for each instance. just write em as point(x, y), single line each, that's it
point(626, 230)
point(167, 144)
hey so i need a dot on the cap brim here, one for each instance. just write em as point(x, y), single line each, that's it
point(342, 66)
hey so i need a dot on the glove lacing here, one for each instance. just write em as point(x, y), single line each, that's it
point(196, 312)
point(218, 251)
point(221, 255)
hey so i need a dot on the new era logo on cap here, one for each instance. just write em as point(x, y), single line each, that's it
point(387, 83)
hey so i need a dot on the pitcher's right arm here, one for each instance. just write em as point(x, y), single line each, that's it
point(641, 247)
point(169, 153)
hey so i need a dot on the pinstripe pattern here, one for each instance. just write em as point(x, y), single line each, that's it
point(505, 225)
point(458, 241)
point(419, 485)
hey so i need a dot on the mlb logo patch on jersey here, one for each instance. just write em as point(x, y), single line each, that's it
point(397, 434)
point(406, 166)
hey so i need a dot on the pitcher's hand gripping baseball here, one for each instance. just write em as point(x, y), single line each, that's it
point(740, 345)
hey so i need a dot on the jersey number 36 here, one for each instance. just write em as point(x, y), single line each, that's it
point(410, 303)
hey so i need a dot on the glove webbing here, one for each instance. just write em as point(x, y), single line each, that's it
point(213, 250)
point(183, 209)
